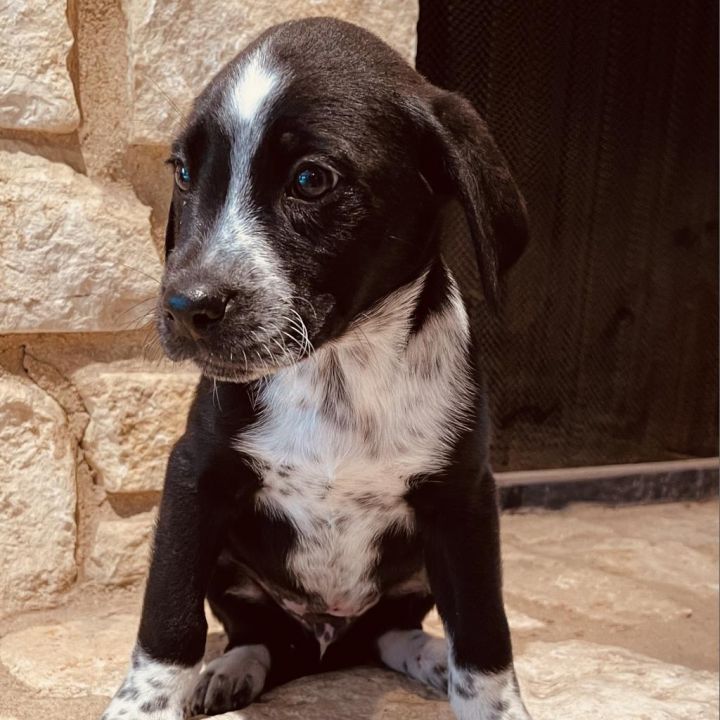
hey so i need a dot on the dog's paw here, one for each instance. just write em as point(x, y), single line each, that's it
point(231, 681)
point(157, 708)
point(486, 696)
point(152, 690)
point(420, 656)
point(130, 703)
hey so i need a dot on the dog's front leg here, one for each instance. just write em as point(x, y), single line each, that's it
point(462, 554)
point(173, 629)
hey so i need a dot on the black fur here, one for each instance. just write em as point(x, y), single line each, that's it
point(403, 148)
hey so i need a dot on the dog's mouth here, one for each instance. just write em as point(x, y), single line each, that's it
point(236, 362)
point(241, 371)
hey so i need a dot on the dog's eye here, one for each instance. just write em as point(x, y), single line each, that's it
point(182, 176)
point(312, 181)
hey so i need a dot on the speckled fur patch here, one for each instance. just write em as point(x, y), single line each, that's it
point(152, 690)
point(485, 696)
point(418, 655)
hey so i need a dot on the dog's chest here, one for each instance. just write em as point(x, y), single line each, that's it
point(339, 438)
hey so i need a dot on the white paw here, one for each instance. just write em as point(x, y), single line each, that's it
point(152, 690)
point(421, 656)
point(485, 696)
point(231, 681)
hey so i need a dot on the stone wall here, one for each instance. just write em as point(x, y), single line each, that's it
point(90, 94)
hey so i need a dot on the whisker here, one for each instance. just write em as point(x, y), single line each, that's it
point(292, 337)
point(134, 305)
point(142, 321)
point(307, 302)
point(300, 339)
point(273, 359)
point(152, 349)
point(142, 272)
point(283, 349)
point(303, 328)
point(169, 100)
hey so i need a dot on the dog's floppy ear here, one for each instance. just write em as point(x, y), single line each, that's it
point(170, 230)
point(459, 158)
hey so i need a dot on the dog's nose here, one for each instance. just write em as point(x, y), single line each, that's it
point(195, 311)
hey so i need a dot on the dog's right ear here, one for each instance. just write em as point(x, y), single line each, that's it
point(170, 230)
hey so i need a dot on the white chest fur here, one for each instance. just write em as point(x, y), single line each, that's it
point(341, 433)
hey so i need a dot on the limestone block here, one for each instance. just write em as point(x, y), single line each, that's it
point(75, 255)
point(368, 693)
point(560, 583)
point(37, 498)
point(72, 659)
point(569, 680)
point(135, 418)
point(176, 47)
point(121, 550)
point(573, 680)
point(519, 622)
point(645, 545)
point(630, 575)
point(696, 524)
point(36, 92)
point(578, 680)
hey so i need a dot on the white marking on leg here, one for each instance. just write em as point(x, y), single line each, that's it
point(417, 654)
point(475, 695)
point(231, 681)
point(152, 689)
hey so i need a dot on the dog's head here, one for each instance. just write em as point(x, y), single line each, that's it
point(308, 181)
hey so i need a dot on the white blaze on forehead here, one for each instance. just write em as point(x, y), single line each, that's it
point(237, 232)
point(254, 82)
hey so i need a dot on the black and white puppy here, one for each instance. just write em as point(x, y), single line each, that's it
point(333, 482)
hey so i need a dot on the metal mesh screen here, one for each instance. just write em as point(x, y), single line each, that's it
point(607, 113)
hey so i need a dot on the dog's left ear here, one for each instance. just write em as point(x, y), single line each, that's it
point(459, 158)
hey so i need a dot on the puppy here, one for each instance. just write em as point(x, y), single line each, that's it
point(333, 483)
